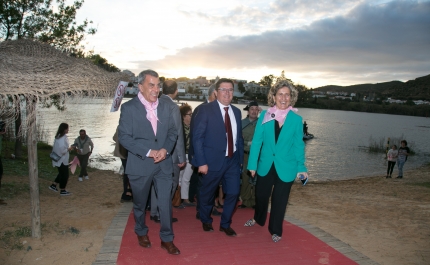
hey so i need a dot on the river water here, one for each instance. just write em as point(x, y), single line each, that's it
point(335, 153)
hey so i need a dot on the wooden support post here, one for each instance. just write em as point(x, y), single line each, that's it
point(33, 169)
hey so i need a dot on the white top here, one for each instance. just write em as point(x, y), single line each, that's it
point(392, 155)
point(233, 125)
point(61, 147)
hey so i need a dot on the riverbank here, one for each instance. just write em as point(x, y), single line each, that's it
point(387, 220)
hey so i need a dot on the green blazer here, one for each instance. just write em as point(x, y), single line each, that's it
point(288, 153)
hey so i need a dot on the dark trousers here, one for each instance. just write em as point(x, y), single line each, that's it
point(229, 176)
point(125, 181)
point(390, 167)
point(63, 176)
point(280, 195)
point(83, 160)
point(192, 191)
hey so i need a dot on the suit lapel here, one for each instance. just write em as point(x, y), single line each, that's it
point(141, 116)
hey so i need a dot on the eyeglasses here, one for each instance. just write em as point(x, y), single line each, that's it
point(189, 114)
point(226, 90)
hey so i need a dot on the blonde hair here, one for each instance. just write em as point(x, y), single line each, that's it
point(278, 85)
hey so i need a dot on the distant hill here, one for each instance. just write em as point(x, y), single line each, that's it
point(412, 89)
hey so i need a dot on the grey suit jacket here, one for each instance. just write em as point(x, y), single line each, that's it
point(178, 154)
point(135, 133)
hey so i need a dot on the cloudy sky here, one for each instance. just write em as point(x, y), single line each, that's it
point(316, 43)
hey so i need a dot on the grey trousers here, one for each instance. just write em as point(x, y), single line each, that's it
point(162, 184)
point(175, 181)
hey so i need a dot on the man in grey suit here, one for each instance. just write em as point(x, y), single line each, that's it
point(147, 130)
point(170, 91)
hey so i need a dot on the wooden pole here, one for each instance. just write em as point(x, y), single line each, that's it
point(32, 168)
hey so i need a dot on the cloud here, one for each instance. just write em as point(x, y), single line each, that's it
point(370, 40)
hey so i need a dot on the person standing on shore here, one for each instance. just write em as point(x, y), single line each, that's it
point(61, 148)
point(247, 191)
point(392, 158)
point(402, 157)
point(277, 156)
point(170, 91)
point(122, 153)
point(218, 153)
point(83, 143)
point(148, 131)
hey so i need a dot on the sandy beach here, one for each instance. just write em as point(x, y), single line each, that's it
point(387, 220)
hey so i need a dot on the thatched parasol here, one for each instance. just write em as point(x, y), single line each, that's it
point(35, 71)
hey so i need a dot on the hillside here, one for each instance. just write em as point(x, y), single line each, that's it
point(412, 89)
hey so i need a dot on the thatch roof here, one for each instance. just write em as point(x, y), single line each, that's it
point(36, 71)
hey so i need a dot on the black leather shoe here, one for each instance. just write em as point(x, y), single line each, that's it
point(208, 228)
point(242, 206)
point(228, 231)
point(174, 219)
point(155, 219)
point(215, 212)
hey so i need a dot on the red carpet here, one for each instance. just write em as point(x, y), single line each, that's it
point(253, 245)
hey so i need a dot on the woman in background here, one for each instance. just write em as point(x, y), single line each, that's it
point(391, 157)
point(277, 156)
point(187, 171)
point(61, 148)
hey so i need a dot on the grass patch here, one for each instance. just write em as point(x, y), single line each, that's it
point(380, 145)
point(422, 184)
point(11, 239)
point(12, 189)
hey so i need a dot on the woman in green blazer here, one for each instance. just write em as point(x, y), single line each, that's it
point(277, 156)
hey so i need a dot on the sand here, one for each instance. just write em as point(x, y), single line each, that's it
point(387, 220)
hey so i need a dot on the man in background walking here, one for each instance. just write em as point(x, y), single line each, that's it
point(82, 145)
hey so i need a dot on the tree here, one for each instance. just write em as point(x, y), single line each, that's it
point(282, 77)
point(241, 87)
point(267, 80)
point(36, 19)
point(102, 63)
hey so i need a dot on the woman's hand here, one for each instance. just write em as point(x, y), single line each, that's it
point(252, 173)
point(302, 173)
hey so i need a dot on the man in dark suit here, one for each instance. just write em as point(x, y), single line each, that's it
point(170, 91)
point(218, 153)
point(147, 130)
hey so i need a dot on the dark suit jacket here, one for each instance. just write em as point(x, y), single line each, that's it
point(178, 153)
point(135, 133)
point(209, 136)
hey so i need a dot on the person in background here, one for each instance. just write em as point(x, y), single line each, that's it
point(392, 158)
point(83, 144)
point(402, 157)
point(61, 148)
point(305, 128)
point(148, 131)
point(170, 91)
point(122, 153)
point(247, 191)
point(187, 171)
point(277, 156)
point(218, 154)
point(2, 131)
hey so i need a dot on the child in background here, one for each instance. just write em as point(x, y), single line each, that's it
point(392, 158)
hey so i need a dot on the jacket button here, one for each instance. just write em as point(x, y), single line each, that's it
point(155, 139)
point(273, 154)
